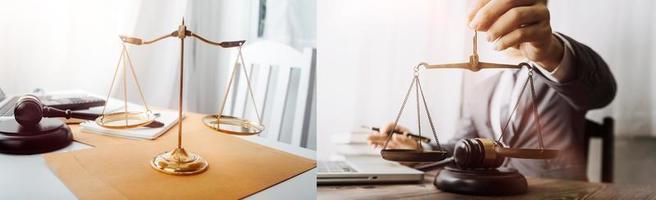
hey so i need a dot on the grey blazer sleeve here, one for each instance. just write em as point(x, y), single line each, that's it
point(465, 129)
point(593, 85)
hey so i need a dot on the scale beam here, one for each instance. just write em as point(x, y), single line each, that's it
point(470, 66)
point(179, 161)
point(181, 33)
point(139, 41)
point(474, 64)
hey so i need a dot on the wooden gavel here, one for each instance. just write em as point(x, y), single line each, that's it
point(29, 111)
point(483, 153)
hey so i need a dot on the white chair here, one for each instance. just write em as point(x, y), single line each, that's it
point(283, 83)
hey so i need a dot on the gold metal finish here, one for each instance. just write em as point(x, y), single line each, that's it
point(488, 148)
point(540, 153)
point(226, 44)
point(232, 125)
point(139, 41)
point(414, 155)
point(179, 162)
point(474, 64)
point(126, 119)
point(492, 148)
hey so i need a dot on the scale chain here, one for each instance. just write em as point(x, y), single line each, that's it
point(398, 116)
point(535, 108)
point(248, 84)
point(136, 80)
point(536, 115)
point(510, 117)
point(418, 108)
point(225, 96)
point(430, 119)
point(112, 84)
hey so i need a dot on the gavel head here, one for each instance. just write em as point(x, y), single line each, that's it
point(477, 153)
point(28, 110)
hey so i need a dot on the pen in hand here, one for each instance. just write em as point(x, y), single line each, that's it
point(413, 136)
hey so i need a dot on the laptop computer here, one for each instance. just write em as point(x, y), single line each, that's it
point(365, 172)
point(74, 100)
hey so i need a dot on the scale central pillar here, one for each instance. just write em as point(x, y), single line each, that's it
point(178, 161)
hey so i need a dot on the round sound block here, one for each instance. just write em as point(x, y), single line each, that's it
point(500, 181)
point(48, 135)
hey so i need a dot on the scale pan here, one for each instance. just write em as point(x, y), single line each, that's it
point(527, 153)
point(233, 125)
point(413, 155)
point(125, 120)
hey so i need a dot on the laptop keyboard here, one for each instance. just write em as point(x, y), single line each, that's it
point(8, 108)
point(335, 166)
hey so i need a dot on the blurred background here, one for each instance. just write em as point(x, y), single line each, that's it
point(372, 47)
point(367, 51)
point(74, 44)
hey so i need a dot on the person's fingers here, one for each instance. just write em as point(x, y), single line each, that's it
point(403, 141)
point(391, 125)
point(489, 13)
point(531, 33)
point(516, 18)
point(386, 128)
point(397, 140)
point(476, 5)
point(376, 138)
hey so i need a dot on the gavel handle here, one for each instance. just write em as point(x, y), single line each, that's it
point(435, 165)
point(54, 112)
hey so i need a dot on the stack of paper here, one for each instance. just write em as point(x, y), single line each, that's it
point(168, 118)
point(353, 144)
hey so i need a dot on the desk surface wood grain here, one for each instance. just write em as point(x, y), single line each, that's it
point(537, 189)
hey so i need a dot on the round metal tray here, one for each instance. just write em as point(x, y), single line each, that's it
point(125, 120)
point(413, 155)
point(232, 125)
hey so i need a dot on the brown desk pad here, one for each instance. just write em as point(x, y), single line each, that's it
point(120, 168)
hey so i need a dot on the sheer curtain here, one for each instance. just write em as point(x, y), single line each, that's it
point(291, 22)
point(64, 44)
point(209, 66)
point(74, 44)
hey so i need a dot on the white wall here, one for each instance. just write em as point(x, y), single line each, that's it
point(61, 44)
point(74, 44)
point(366, 52)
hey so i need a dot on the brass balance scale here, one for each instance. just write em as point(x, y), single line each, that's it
point(178, 161)
point(476, 163)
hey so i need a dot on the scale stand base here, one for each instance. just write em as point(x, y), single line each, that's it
point(179, 162)
point(500, 181)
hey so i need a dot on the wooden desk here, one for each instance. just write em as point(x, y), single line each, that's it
point(28, 176)
point(537, 189)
